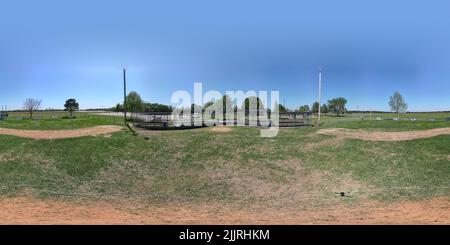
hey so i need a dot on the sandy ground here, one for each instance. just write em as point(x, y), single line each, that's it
point(61, 134)
point(220, 129)
point(31, 211)
point(384, 136)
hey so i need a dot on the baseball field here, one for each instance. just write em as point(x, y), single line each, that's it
point(93, 170)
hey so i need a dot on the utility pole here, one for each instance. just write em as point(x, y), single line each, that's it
point(320, 94)
point(125, 95)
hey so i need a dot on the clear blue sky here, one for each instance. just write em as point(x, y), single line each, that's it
point(54, 50)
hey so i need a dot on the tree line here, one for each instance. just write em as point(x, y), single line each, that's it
point(136, 104)
point(336, 105)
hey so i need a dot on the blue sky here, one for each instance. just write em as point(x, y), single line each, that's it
point(55, 50)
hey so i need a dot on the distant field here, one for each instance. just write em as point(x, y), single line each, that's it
point(418, 115)
point(57, 120)
point(354, 121)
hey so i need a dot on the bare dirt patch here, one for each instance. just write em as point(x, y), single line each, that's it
point(286, 183)
point(31, 211)
point(384, 136)
point(61, 134)
point(324, 143)
point(6, 156)
point(220, 129)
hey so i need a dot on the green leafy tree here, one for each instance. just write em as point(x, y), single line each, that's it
point(315, 107)
point(195, 107)
point(71, 105)
point(337, 105)
point(397, 103)
point(227, 105)
point(156, 107)
point(118, 108)
point(134, 102)
point(324, 109)
point(280, 107)
point(254, 100)
point(304, 108)
point(208, 104)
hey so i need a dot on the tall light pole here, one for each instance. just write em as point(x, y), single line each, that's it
point(320, 94)
point(125, 95)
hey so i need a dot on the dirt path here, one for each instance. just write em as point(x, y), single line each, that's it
point(220, 129)
point(32, 211)
point(61, 134)
point(382, 135)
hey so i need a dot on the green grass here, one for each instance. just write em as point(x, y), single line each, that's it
point(298, 168)
point(354, 122)
point(57, 120)
point(417, 115)
point(395, 170)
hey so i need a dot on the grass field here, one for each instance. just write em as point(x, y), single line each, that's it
point(387, 124)
point(57, 120)
point(297, 169)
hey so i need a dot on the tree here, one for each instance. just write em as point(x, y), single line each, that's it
point(118, 108)
point(227, 103)
point(304, 108)
point(155, 107)
point(31, 105)
point(227, 106)
point(255, 101)
point(397, 103)
point(195, 108)
point(280, 107)
point(71, 105)
point(134, 102)
point(315, 107)
point(148, 107)
point(337, 105)
point(324, 108)
point(208, 104)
